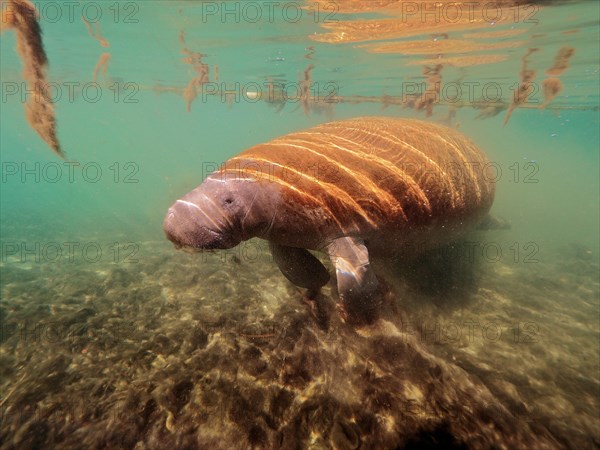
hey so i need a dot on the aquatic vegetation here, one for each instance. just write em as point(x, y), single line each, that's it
point(561, 61)
point(194, 59)
point(305, 85)
point(551, 88)
point(21, 16)
point(233, 362)
point(525, 88)
point(431, 95)
point(103, 60)
point(101, 66)
point(95, 32)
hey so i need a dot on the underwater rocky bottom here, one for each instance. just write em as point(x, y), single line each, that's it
point(187, 351)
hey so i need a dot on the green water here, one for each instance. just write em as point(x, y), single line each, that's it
point(141, 150)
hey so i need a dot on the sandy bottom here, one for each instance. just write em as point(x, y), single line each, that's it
point(218, 351)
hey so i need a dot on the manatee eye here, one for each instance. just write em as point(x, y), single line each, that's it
point(229, 200)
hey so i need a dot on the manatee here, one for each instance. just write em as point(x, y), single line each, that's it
point(353, 189)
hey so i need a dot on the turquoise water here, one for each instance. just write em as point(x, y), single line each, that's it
point(139, 149)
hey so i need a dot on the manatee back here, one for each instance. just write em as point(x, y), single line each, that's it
point(374, 172)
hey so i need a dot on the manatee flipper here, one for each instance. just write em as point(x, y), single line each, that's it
point(300, 267)
point(490, 222)
point(358, 287)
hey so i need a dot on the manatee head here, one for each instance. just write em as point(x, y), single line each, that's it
point(218, 214)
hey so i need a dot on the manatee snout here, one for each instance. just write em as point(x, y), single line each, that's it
point(193, 226)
